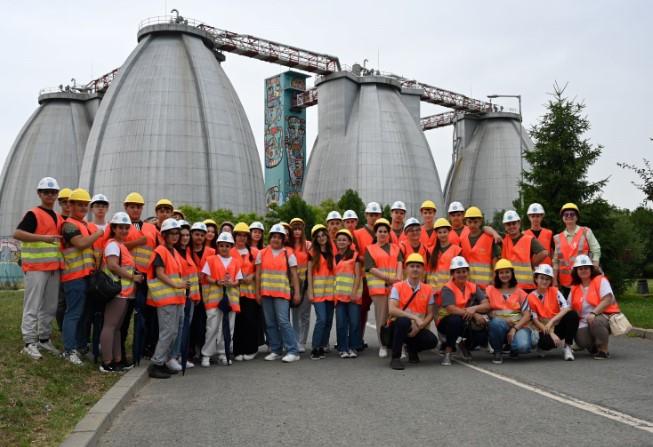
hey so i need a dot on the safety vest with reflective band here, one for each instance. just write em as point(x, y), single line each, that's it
point(364, 237)
point(274, 274)
point(428, 241)
point(520, 256)
point(78, 263)
point(323, 282)
point(397, 239)
point(420, 304)
point(160, 294)
point(99, 244)
point(462, 297)
point(126, 262)
point(593, 297)
point(567, 253)
point(439, 277)
point(546, 308)
point(247, 267)
point(479, 258)
point(214, 292)
point(455, 238)
point(143, 253)
point(385, 262)
point(43, 256)
point(302, 261)
point(206, 254)
point(545, 238)
point(190, 272)
point(508, 308)
point(345, 275)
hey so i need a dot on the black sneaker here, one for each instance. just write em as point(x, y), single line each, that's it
point(498, 358)
point(107, 368)
point(601, 355)
point(397, 364)
point(158, 372)
point(315, 354)
point(170, 371)
point(413, 357)
point(322, 353)
point(124, 365)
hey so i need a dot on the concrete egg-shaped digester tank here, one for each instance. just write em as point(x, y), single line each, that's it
point(171, 125)
point(487, 163)
point(369, 140)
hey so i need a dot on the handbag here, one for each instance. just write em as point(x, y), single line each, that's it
point(102, 286)
point(388, 330)
point(619, 324)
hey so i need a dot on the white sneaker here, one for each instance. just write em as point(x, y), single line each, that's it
point(72, 357)
point(206, 361)
point(404, 353)
point(238, 358)
point(446, 361)
point(327, 349)
point(289, 358)
point(383, 352)
point(568, 353)
point(189, 364)
point(272, 356)
point(301, 348)
point(173, 364)
point(344, 355)
point(48, 346)
point(248, 357)
point(353, 354)
point(222, 359)
point(32, 350)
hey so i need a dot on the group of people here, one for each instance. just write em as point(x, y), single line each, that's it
point(216, 293)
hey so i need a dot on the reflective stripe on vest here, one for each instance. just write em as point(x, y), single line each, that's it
point(126, 262)
point(567, 253)
point(274, 274)
point(442, 275)
point(160, 294)
point(323, 282)
point(42, 256)
point(461, 298)
point(386, 263)
point(546, 308)
point(545, 238)
point(345, 272)
point(419, 305)
point(143, 253)
point(247, 267)
point(479, 258)
point(520, 256)
point(216, 292)
point(507, 308)
point(593, 297)
point(78, 263)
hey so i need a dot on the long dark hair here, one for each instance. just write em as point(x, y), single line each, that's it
point(498, 284)
point(213, 243)
point(349, 253)
point(317, 253)
point(292, 242)
point(575, 279)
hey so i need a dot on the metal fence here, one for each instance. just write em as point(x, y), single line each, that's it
point(11, 275)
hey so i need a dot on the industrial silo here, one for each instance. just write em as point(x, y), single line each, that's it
point(487, 162)
point(171, 125)
point(370, 141)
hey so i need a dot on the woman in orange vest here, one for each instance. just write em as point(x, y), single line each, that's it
point(321, 281)
point(479, 248)
point(256, 230)
point(383, 266)
point(510, 314)
point(592, 298)
point(167, 294)
point(301, 315)
point(556, 321)
point(119, 264)
point(462, 317)
point(365, 236)
point(347, 295)
point(211, 233)
point(200, 252)
point(523, 250)
point(440, 260)
point(535, 214)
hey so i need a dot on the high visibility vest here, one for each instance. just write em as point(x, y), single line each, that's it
point(441, 275)
point(274, 273)
point(160, 294)
point(215, 292)
point(100, 243)
point(387, 263)
point(462, 297)
point(545, 238)
point(593, 297)
point(428, 241)
point(206, 254)
point(364, 237)
point(397, 239)
point(567, 253)
point(190, 272)
point(546, 308)
point(143, 253)
point(406, 249)
point(247, 267)
point(323, 282)
point(420, 304)
point(508, 308)
point(43, 256)
point(78, 263)
point(455, 238)
point(520, 256)
point(126, 262)
point(301, 254)
point(479, 258)
point(345, 276)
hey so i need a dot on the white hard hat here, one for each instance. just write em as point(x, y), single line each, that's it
point(544, 269)
point(458, 262)
point(398, 205)
point(183, 223)
point(456, 207)
point(120, 218)
point(99, 198)
point(199, 226)
point(48, 183)
point(410, 222)
point(510, 216)
point(256, 226)
point(170, 224)
point(373, 207)
point(582, 260)
point(333, 215)
point(277, 228)
point(225, 236)
point(350, 214)
point(535, 208)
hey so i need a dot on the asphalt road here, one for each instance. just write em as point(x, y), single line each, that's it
point(362, 402)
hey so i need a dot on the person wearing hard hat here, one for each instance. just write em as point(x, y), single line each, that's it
point(478, 247)
point(462, 316)
point(301, 314)
point(99, 208)
point(427, 210)
point(276, 284)
point(62, 199)
point(167, 294)
point(383, 267)
point(438, 267)
point(227, 227)
point(535, 214)
point(256, 230)
point(334, 223)
point(555, 320)
point(211, 233)
point(365, 236)
point(200, 253)
point(510, 314)
point(411, 241)
point(348, 289)
point(163, 210)
point(523, 250)
point(397, 216)
point(411, 304)
point(574, 240)
point(591, 296)
point(178, 214)
point(41, 261)
point(79, 263)
point(456, 213)
point(321, 281)
point(350, 220)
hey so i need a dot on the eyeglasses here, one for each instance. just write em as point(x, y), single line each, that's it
point(569, 214)
point(49, 192)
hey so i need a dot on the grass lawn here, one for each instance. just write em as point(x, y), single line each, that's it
point(638, 308)
point(40, 400)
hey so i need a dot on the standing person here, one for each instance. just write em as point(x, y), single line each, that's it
point(411, 305)
point(440, 261)
point(510, 314)
point(397, 215)
point(256, 230)
point(301, 315)
point(383, 266)
point(92, 313)
point(321, 281)
point(41, 261)
point(535, 214)
point(227, 227)
point(456, 213)
point(427, 211)
point(347, 295)
point(178, 214)
point(350, 221)
point(522, 250)
point(276, 270)
point(223, 273)
point(411, 241)
point(556, 321)
point(365, 236)
point(479, 249)
point(591, 296)
point(211, 233)
point(334, 223)
point(62, 199)
point(119, 264)
point(167, 294)
point(163, 210)
point(99, 209)
point(200, 253)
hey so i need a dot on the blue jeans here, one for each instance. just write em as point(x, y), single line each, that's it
point(276, 312)
point(323, 323)
point(348, 326)
point(521, 342)
point(75, 292)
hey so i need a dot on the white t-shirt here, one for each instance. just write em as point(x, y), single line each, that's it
point(225, 262)
point(112, 249)
point(292, 260)
point(587, 308)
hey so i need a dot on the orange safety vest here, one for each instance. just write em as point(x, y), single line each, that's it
point(545, 238)
point(208, 252)
point(364, 237)
point(397, 239)
point(274, 274)
point(428, 241)
point(520, 256)
point(215, 293)
point(43, 256)
point(420, 304)
point(190, 272)
point(143, 253)
point(99, 244)
point(160, 294)
point(479, 258)
point(387, 263)
point(323, 282)
point(126, 262)
point(247, 267)
point(301, 254)
point(462, 297)
point(546, 308)
point(439, 277)
point(593, 296)
point(501, 307)
point(455, 238)
point(345, 276)
point(407, 249)
point(78, 263)
point(567, 253)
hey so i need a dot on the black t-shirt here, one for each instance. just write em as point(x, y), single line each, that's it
point(158, 261)
point(29, 220)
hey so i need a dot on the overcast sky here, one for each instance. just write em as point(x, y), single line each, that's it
point(602, 49)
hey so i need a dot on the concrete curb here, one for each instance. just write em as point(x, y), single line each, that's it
point(87, 432)
point(642, 333)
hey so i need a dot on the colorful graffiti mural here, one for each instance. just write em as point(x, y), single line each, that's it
point(298, 84)
point(295, 144)
point(273, 123)
point(11, 275)
point(272, 195)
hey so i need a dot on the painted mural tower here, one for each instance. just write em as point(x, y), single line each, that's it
point(285, 137)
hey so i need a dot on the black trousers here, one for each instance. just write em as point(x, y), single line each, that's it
point(422, 341)
point(454, 326)
point(197, 331)
point(246, 331)
point(565, 330)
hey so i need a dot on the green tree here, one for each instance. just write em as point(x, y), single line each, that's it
point(295, 206)
point(646, 175)
point(350, 200)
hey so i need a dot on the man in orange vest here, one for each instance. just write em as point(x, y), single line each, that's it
point(41, 260)
point(523, 250)
point(428, 211)
point(397, 214)
point(543, 235)
point(478, 248)
point(62, 199)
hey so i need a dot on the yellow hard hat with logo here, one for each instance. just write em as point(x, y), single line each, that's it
point(134, 197)
point(473, 212)
point(503, 264)
point(79, 195)
point(441, 223)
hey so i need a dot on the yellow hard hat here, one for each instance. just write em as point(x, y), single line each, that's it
point(570, 206)
point(415, 257)
point(346, 232)
point(241, 227)
point(163, 202)
point(211, 222)
point(441, 223)
point(428, 204)
point(80, 195)
point(503, 264)
point(180, 212)
point(134, 197)
point(381, 221)
point(472, 212)
point(64, 194)
point(317, 228)
point(296, 220)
